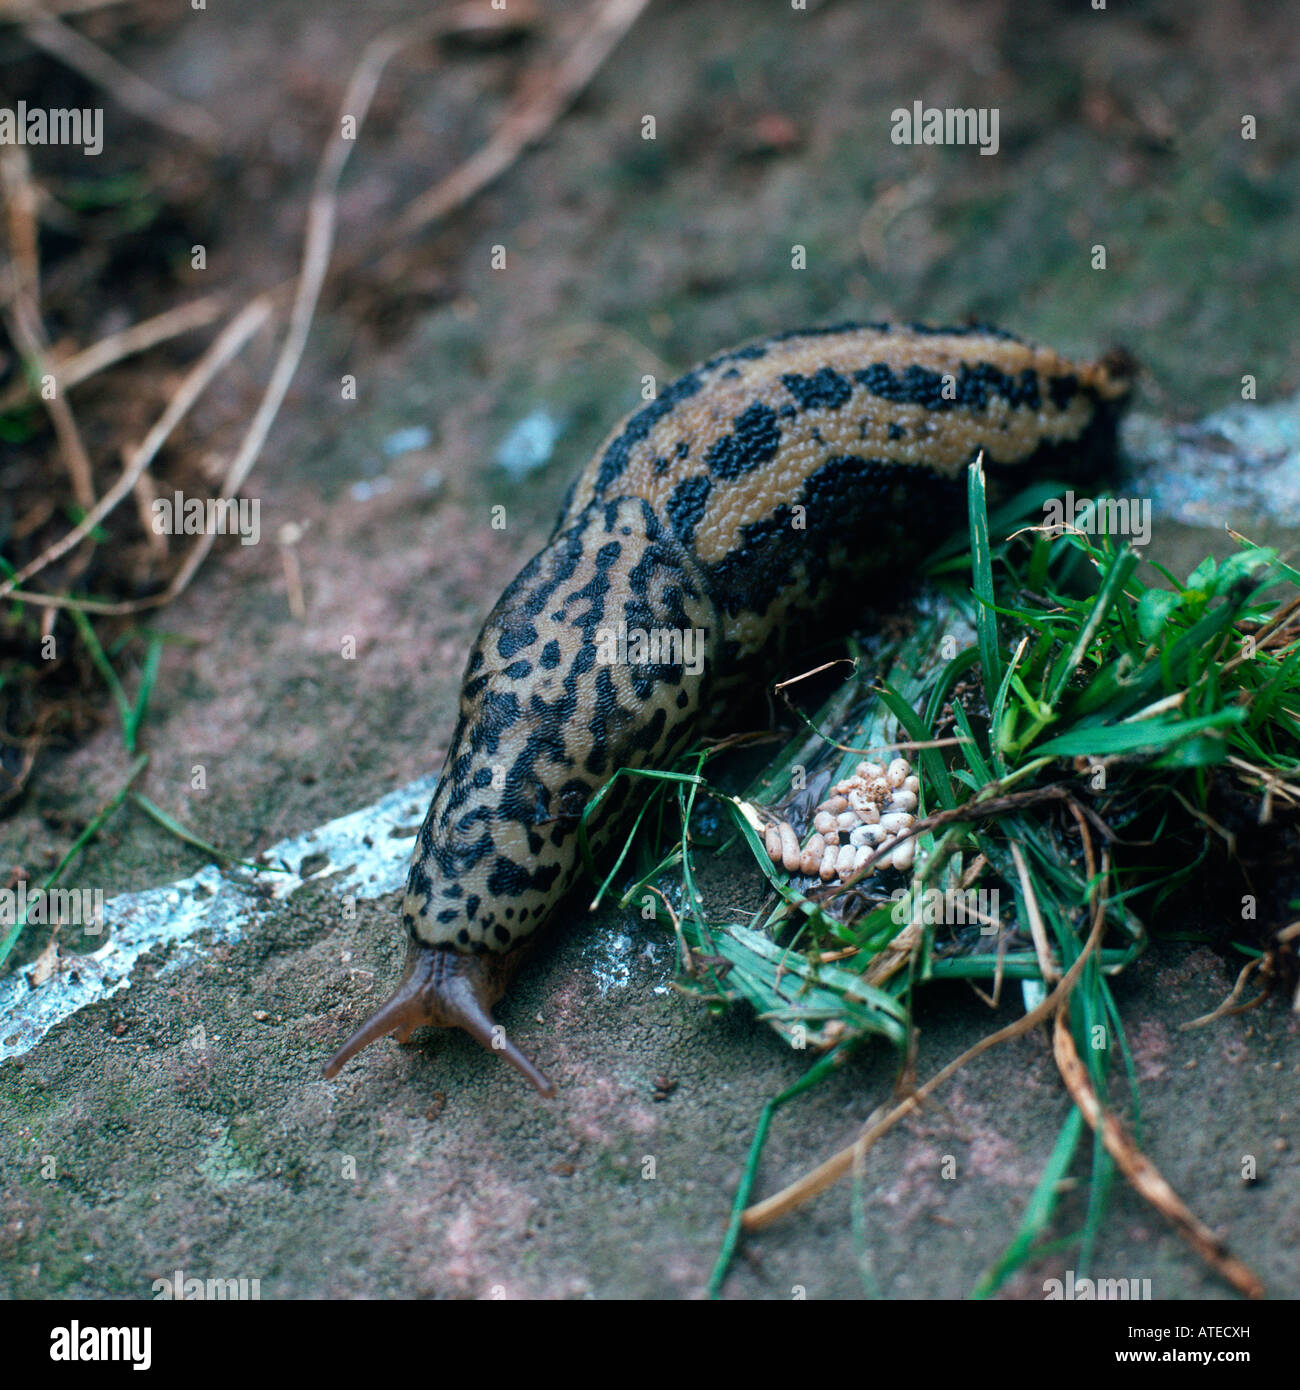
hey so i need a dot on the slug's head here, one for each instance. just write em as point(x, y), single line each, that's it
point(443, 988)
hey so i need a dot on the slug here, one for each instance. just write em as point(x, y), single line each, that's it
point(728, 510)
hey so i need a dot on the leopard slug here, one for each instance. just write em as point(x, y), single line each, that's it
point(731, 507)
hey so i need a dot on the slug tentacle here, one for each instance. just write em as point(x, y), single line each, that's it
point(441, 988)
point(710, 536)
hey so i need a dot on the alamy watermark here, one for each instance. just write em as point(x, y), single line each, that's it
point(1095, 516)
point(89, 1343)
point(38, 125)
point(51, 907)
point(950, 125)
point(1075, 1290)
point(193, 1289)
point(949, 907)
point(179, 515)
point(656, 646)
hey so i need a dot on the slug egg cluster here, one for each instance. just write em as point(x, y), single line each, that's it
point(864, 813)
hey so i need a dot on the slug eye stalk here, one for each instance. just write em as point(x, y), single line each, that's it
point(441, 988)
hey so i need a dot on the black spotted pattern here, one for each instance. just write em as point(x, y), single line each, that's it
point(753, 441)
point(973, 388)
point(640, 425)
point(514, 837)
point(547, 717)
point(825, 389)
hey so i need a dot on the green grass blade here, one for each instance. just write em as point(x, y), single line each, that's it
point(986, 622)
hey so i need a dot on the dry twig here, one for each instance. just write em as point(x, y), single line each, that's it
point(139, 337)
point(527, 124)
point(65, 43)
point(797, 1193)
point(24, 315)
point(524, 126)
point(232, 338)
point(1144, 1176)
point(1226, 1008)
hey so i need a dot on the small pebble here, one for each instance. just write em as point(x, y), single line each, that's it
point(407, 440)
point(364, 490)
point(529, 444)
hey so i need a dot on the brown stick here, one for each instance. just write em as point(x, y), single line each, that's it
point(24, 317)
point(70, 46)
point(1037, 927)
point(528, 122)
point(797, 1193)
point(1144, 1176)
point(90, 361)
point(232, 338)
point(526, 127)
point(1226, 1009)
point(317, 245)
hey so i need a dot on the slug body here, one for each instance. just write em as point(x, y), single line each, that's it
point(731, 507)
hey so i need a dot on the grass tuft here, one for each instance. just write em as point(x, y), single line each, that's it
point(1053, 698)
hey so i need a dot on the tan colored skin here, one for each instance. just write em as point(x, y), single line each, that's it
point(737, 503)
